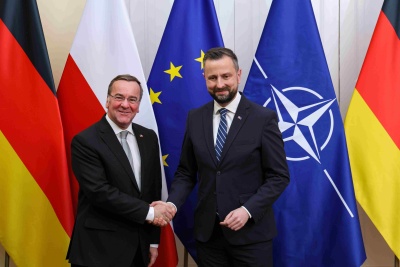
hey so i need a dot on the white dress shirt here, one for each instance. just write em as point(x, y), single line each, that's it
point(231, 107)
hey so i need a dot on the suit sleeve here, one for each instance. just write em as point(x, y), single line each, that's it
point(274, 166)
point(185, 177)
point(91, 175)
point(155, 231)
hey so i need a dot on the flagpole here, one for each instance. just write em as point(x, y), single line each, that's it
point(6, 259)
point(396, 261)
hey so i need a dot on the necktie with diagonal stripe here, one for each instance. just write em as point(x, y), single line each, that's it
point(125, 146)
point(128, 152)
point(222, 132)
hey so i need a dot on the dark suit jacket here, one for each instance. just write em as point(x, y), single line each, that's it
point(252, 172)
point(110, 224)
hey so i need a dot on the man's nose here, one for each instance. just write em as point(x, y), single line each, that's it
point(220, 83)
point(125, 103)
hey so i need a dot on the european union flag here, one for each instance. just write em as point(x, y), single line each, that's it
point(316, 215)
point(176, 85)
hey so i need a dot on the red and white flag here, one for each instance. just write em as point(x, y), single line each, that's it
point(104, 47)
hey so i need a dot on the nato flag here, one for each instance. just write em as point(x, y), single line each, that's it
point(316, 216)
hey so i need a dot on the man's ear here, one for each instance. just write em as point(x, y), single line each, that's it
point(239, 74)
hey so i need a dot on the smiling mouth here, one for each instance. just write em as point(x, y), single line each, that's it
point(221, 92)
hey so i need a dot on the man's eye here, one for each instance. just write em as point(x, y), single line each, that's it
point(119, 98)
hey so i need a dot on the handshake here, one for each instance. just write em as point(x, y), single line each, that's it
point(163, 213)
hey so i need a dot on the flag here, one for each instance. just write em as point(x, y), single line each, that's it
point(373, 127)
point(316, 216)
point(104, 47)
point(36, 216)
point(176, 85)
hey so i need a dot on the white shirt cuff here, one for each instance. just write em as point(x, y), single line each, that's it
point(247, 211)
point(173, 205)
point(150, 214)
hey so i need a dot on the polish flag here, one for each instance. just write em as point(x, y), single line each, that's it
point(104, 47)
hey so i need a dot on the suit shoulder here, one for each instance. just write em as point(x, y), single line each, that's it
point(262, 111)
point(201, 109)
point(137, 128)
point(89, 131)
point(141, 128)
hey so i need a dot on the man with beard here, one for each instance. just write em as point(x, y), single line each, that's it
point(233, 149)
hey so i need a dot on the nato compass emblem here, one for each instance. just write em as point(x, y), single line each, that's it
point(306, 130)
point(298, 125)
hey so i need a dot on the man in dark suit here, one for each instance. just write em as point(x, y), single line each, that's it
point(117, 165)
point(239, 174)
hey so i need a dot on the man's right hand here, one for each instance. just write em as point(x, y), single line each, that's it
point(163, 213)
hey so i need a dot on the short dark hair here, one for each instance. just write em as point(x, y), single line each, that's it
point(218, 52)
point(125, 77)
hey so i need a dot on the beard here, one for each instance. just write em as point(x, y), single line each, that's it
point(223, 99)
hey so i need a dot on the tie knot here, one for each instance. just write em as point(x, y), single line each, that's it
point(223, 112)
point(124, 134)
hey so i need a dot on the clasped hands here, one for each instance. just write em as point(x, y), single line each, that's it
point(163, 213)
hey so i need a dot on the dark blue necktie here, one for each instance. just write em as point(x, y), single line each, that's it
point(222, 132)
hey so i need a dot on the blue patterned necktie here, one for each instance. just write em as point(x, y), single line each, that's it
point(222, 132)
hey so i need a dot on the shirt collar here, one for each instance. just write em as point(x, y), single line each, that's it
point(116, 128)
point(231, 107)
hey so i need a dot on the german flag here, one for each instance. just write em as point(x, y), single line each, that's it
point(36, 216)
point(373, 127)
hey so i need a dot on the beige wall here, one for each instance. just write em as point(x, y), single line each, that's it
point(60, 20)
point(345, 26)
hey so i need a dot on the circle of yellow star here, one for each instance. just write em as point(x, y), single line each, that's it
point(164, 159)
point(154, 97)
point(173, 71)
point(200, 59)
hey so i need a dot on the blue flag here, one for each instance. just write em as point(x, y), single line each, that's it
point(317, 218)
point(176, 85)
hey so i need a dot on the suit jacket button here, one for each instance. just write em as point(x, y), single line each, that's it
point(218, 173)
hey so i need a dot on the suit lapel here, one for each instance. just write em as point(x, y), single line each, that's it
point(238, 121)
point(140, 139)
point(111, 140)
point(208, 130)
